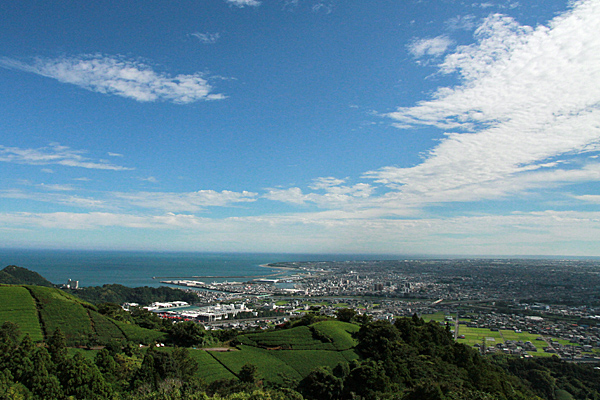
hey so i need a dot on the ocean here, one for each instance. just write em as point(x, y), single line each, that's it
point(137, 268)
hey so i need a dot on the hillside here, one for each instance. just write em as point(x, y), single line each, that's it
point(119, 294)
point(13, 275)
point(40, 310)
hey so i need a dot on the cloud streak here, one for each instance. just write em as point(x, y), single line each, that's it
point(120, 77)
point(244, 3)
point(206, 38)
point(191, 201)
point(54, 154)
point(434, 47)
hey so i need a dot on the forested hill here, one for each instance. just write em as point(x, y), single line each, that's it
point(13, 275)
point(119, 294)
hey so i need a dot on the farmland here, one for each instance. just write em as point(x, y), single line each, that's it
point(19, 307)
point(290, 354)
point(39, 311)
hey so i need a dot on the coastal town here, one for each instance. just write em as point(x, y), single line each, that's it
point(547, 306)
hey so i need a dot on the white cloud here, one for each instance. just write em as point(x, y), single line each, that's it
point(590, 198)
point(527, 96)
point(150, 179)
point(244, 3)
point(190, 201)
point(336, 194)
point(430, 47)
point(56, 187)
point(67, 200)
point(461, 22)
point(95, 220)
point(206, 38)
point(54, 154)
point(121, 77)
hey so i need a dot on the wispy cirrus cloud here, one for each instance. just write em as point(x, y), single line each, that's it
point(335, 194)
point(461, 22)
point(244, 3)
point(527, 97)
point(119, 76)
point(57, 198)
point(55, 154)
point(434, 47)
point(186, 201)
point(206, 38)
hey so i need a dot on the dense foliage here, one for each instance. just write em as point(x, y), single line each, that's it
point(13, 275)
point(120, 294)
point(411, 359)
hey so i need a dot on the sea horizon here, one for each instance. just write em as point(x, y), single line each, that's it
point(138, 267)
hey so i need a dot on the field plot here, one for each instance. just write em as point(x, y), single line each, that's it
point(267, 363)
point(438, 316)
point(340, 333)
point(298, 338)
point(209, 369)
point(304, 361)
point(477, 335)
point(105, 329)
point(59, 310)
point(139, 334)
point(17, 305)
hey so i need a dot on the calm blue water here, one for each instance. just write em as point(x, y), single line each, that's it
point(136, 268)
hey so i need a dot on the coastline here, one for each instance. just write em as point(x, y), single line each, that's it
point(277, 267)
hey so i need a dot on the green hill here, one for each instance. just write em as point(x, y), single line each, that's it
point(13, 275)
point(40, 310)
point(290, 354)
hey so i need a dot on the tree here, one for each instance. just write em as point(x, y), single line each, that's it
point(248, 373)
point(10, 331)
point(82, 380)
point(366, 379)
point(57, 347)
point(185, 365)
point(105, 362)
point(345, 314)
point(321, 384)
point(426, 391)
point(187, 334)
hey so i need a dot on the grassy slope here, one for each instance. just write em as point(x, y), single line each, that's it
point(138, 334)
point(17, 305)
point(59, 310)
point(294, 352)
point(40, 310)
point(210, 369)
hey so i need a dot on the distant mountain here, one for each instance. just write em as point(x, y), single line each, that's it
point(14, 275)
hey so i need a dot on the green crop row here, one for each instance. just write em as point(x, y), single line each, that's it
point(267, 363)
point(209, 369)
point(105, 329)
point(59, 310)
point(139, 334)
point(19, 307)
point(340, 333)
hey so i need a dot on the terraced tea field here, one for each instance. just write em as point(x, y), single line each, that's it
point(290, 354)
point(17, 305)
point(39, 311)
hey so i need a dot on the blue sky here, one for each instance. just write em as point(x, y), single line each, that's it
point(398, 127)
